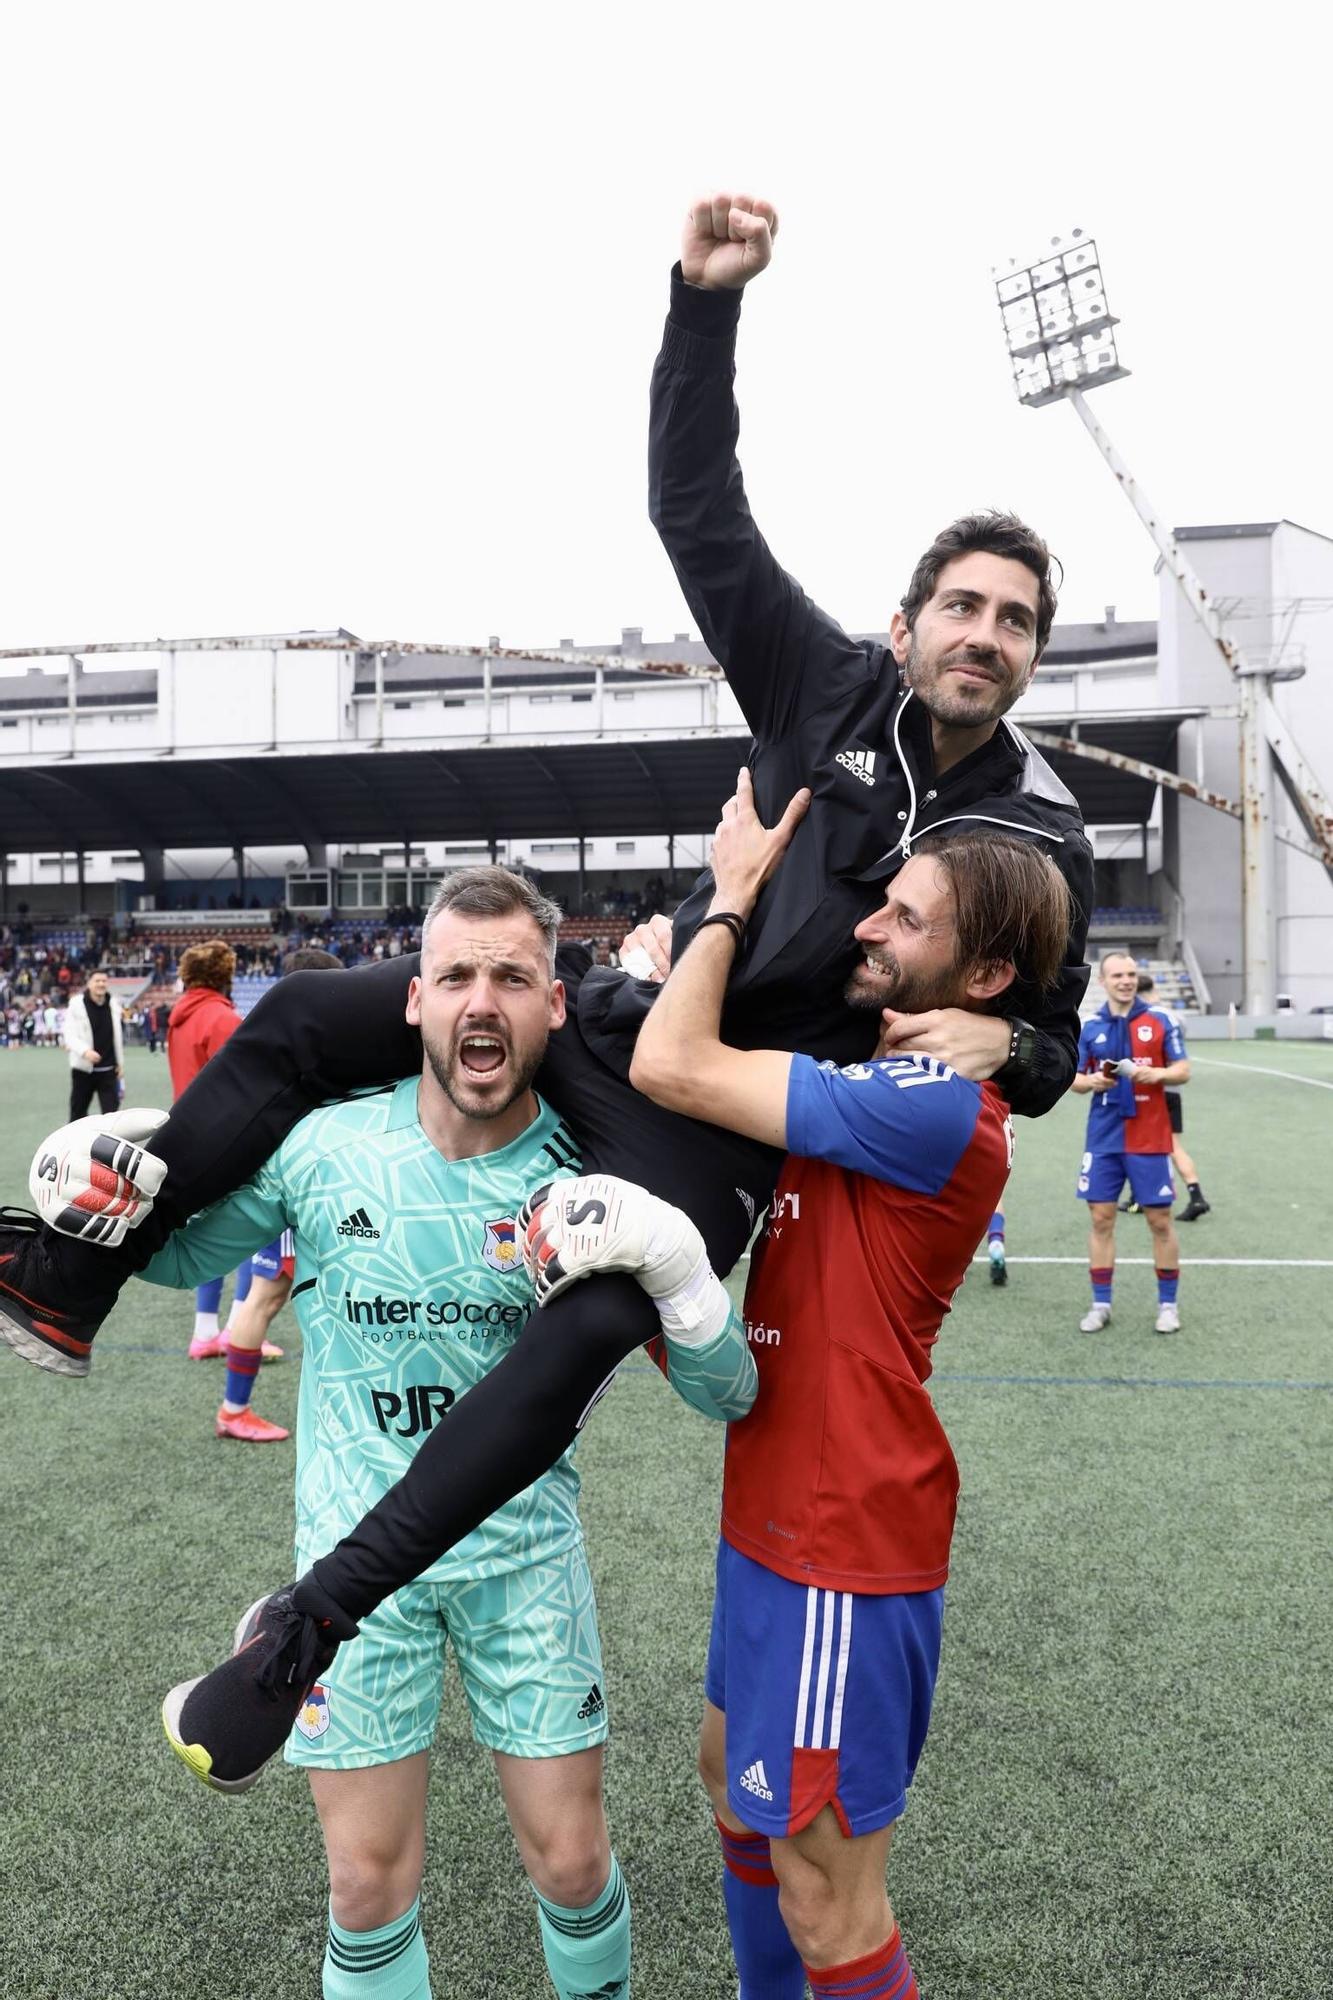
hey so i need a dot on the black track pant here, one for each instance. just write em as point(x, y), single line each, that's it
point(313, 1038)
point(85, 1084)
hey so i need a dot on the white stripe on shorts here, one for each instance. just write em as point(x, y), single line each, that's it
point(840, 1683)
point(820, 1718)
point(287, 1244)
point(807, 1655)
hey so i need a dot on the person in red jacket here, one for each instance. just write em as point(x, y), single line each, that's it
point(200, 1022)
point(203, 1018)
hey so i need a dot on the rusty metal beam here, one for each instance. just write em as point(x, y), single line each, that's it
point(346, 642)
point(1116, 760)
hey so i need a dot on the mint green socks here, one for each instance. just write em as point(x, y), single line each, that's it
point(587, 1951)
point(387, 1964)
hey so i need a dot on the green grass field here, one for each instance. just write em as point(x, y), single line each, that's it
point(1126, 1792)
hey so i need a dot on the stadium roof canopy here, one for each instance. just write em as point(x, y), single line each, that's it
point(509, 788)
point(465, 794)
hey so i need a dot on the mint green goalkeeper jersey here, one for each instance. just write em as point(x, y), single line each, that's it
point(409, 1287)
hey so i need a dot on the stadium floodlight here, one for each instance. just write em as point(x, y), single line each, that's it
point(1057, 324)
point(1060, 333)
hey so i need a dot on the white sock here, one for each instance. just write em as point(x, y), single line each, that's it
point(205, 1326)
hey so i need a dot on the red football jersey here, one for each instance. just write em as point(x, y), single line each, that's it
point(842, 1475)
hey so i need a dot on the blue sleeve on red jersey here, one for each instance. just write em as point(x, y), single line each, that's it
point(1173, 1041)
point(908, 1121)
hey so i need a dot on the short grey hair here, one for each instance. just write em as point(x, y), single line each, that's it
point(491, 891)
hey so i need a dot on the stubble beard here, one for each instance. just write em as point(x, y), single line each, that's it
point(958, 708)
point(445, 1065)
point(908, 993)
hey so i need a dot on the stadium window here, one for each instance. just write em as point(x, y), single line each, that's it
point(624, 847)
point(402, 704)
point(8, 725)
point(555, 847)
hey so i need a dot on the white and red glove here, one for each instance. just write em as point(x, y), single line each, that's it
point(600, 1223)
point(93, 1179)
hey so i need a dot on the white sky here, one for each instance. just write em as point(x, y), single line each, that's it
point(323, 315)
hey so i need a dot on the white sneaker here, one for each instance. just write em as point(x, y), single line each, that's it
point(1168, 1319)
point(1094, 1319)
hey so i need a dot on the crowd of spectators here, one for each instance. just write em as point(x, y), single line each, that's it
point(42, 963)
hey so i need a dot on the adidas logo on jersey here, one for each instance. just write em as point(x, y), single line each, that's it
point(861, 764)
point(358, 1224)
point(755, 1780)
point(593, 1704)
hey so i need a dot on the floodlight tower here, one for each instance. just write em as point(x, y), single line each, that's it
point(1061, 339)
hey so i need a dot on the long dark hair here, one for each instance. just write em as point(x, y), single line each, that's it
point(1012, 905)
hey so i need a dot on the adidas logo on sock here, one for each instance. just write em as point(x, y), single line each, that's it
point(358, 1224)
point(756, 1780)
point(593, 1704)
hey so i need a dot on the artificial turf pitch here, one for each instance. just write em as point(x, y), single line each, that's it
point(1126, 1790)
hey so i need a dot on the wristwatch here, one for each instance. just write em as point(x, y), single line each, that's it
point(1017, 1065)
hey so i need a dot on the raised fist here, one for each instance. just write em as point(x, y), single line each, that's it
point(93, 1179)
point(727, 240)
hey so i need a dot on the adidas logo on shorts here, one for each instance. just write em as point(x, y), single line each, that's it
point(755, 1780)
point(358, 1224)
point(593, 1704)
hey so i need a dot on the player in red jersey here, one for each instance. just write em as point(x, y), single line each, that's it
point(840, 1488)
point(1127, 1054)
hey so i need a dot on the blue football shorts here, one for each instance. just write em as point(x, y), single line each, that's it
point(1102, 1175)
point(275, 1258)
point(827, 1696)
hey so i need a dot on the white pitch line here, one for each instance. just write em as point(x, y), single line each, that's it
point(1261, 1069)
point(1248, 1263)
point(1244, 1263)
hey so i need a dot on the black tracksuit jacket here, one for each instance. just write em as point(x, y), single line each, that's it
point(814, 698)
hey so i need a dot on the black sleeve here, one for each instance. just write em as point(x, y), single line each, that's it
point(1054, 1014)
point(781, 654)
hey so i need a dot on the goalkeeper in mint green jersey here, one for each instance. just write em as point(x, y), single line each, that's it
point(409, 1287)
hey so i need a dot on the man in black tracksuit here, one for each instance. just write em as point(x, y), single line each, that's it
point(891, 743)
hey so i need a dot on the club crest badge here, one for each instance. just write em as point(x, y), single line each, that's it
point(499, 1246)
point(313, 1719)
point(1145, 1032)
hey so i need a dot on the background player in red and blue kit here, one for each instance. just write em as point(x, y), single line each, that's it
point(840, 1488)
point(1127, 1054)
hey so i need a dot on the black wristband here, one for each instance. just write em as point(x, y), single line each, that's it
point(1022, 1049)
point(734, 922)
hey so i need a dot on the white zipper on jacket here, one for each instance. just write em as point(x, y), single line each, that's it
point(905, 837)
point(982, 819)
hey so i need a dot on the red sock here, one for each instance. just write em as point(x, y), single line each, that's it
point(880, 1975)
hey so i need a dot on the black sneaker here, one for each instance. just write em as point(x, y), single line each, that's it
point(227, 1724)
point(57, 1338)
point(1129, 1208)
point(1194, 1208)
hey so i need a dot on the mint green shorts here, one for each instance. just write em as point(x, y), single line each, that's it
point(528, 1652)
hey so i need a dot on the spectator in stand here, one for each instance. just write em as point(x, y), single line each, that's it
point(95, 1040)
point(201, 1021)
point(152, 1026)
